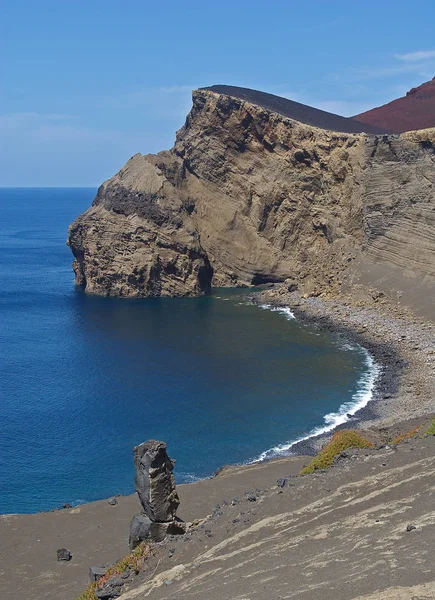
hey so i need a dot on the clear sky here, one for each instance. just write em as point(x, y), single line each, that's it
point(85, 84)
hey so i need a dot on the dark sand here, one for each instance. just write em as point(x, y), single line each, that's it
point(337, 535)
point(297, 111)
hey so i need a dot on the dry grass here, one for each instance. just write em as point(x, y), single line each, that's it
point(133, 561)
point(341, 440)
point(406, 436)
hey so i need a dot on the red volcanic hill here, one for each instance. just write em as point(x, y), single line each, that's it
point(416, 110)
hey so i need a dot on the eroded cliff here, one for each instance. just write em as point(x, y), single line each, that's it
point(247, 196)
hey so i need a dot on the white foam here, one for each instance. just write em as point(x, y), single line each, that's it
point(284, 310)
point(190, 477)
point(360, 398)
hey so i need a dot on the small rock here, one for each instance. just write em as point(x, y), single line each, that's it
point(282, 482)
point(106, 593)
point(66, 505)
point(251, 497)
point(410, 527)
point(113, 502)
point(64, 554)
point(168, 582)
point(95, 573)
point(171, 552)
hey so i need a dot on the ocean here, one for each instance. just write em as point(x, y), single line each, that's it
point(83, 378)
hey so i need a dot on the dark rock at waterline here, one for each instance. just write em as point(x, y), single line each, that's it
point(113, 502)
point(64, 554)
point(154, 481)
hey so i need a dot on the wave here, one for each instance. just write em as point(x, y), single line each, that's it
point(189, 478)
point(359, 400)
point(284, 310)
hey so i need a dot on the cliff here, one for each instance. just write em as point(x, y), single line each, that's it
point(416, 110)
point(248, 196)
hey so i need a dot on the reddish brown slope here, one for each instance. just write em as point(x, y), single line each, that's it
point(416, 110)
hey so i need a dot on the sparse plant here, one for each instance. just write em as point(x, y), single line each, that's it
point(341, 440)
point(407, 435)
point(431, 429)
point(134, 561)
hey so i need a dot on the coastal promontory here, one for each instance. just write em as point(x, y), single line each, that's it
point(257, 190)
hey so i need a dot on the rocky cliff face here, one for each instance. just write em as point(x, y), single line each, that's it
point(248, 196)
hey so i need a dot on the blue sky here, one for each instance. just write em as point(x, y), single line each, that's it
point(86, 84)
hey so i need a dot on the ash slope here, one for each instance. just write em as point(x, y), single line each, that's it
point(297, 111)
point(248, 196)
point(416, 110)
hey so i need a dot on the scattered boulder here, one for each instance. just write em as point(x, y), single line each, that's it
point(107, 592)
point(142, 528)
point(96, 573)
point(113, 502)
point(410, 527)
point(64, 554)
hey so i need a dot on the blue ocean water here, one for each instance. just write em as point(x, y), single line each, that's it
point(83, 378)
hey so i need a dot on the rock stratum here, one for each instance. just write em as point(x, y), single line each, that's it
point(248, 196)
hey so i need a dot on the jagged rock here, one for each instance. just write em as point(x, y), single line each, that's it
point(113, 502)
point(143, 529)
point(107, 592)
point(248, 196)
point(64, 554)
point(95, 573)
point(154, 481)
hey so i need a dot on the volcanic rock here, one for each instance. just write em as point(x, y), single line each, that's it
point(249, 196)
point(416, 110)
point(154, 481)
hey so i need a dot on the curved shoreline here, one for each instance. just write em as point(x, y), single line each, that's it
point(402, 345)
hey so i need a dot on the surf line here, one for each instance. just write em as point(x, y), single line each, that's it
point(365, 388)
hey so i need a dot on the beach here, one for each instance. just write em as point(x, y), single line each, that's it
point(97, 533)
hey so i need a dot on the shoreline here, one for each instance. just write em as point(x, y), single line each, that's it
point(402, 345)
point(342, 318)
point(403, 397)
point(346, 412)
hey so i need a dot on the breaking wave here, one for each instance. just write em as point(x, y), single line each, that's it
point(360, 399)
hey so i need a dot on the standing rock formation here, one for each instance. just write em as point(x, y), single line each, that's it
point(249, 196)
point(155, 486)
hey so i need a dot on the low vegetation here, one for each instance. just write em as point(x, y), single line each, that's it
point(134, 562)
point(408, 435)
point(431, 429)
point(341, 440)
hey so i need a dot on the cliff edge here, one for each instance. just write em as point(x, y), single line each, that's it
point(248, 195)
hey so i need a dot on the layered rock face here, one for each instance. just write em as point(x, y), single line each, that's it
point(248, 196)
point(155, 486)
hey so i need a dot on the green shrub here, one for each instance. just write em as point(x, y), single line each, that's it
point(431, 430)
point(341, 440)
